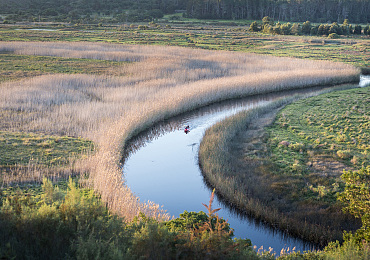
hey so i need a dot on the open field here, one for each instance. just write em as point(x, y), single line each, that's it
point(295, 164)
point(352, 50)
point(108, 110)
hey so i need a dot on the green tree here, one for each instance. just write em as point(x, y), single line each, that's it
point(334, 28)
point(314, 30)
point(267, 20)
point(306, 27)
point(345, 29)
point(323, 29)
point(254, 27)
point(367, 30)
point(267, 28)
point(285, 28)
point(358, 29)
point(276, 28)
point(296, 29)
point(356, 198)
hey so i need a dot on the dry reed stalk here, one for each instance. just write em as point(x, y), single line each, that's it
point(161, 82)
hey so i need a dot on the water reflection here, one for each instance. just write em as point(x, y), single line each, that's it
point(226, 108)
point(161, 165)
point(364, 81)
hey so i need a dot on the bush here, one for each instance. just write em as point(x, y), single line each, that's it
point(254, 27)
point(344, 154)
point(333, 36)
point(74, 224)
point(357, 30)
point(356, 200)
point(142, 27)
point(306, 27)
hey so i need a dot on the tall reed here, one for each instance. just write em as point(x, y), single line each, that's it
point(161, 82)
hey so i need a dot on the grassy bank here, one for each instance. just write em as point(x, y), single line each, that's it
point(301, 200)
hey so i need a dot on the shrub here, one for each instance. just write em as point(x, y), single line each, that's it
point(344, 154)
point(142, 27)
point(285, 28)
point(306, 27)
point(367, 30)
point(333, 36)
point(254, 27)
point(356, 199)
point(358, 29)
point(297, 147)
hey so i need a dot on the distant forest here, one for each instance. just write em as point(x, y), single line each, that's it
point(321, 11)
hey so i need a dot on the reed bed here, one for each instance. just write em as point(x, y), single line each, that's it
point(160, 82)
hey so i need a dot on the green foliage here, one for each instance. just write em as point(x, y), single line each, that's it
point(154, 240)
point(142, 27)
point(68, 222)
point(367, 30)
point(254, 27)
point(267, 20)
point(333, 36)
point(95, 11)
point(357, 29)
point(356, 199)
point(285, 28)
point(350, 249)
point(47, 224)
point(187, 220)
point(306, 27)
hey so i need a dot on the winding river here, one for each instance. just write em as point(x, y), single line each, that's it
point(161, 166)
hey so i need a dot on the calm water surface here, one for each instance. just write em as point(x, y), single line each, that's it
point(161, 166)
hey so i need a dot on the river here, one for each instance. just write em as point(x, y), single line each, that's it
point(161, 165)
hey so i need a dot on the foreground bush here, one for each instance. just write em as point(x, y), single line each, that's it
point(73, 223)
point(53, 222)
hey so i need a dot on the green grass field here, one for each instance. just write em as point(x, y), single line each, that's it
point(314, 139)
point(14, 67)
point(19, 149)
point(214, 37)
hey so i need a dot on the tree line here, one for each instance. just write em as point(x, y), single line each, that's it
point(331, 30)
point(322, 11)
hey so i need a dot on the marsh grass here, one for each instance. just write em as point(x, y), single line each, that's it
point(161, 82)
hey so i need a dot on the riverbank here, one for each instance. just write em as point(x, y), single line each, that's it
point(236, 161)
